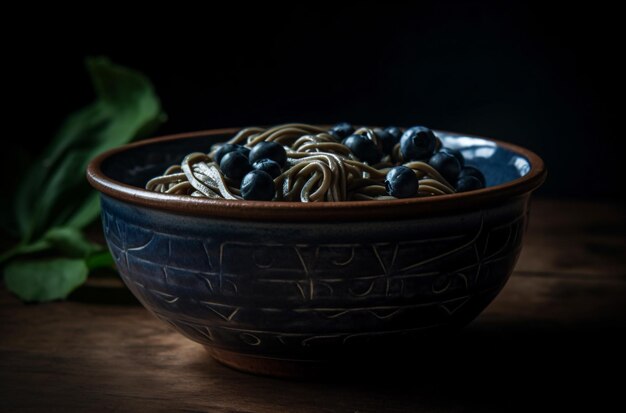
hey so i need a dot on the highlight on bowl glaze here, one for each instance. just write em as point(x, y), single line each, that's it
point(276, 287)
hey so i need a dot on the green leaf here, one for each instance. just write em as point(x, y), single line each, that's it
point(71, 242)
point(45, 280)
point(66, 240)
point(101, 259)
point(20, 249)
point(54, 191)
point(53, 201)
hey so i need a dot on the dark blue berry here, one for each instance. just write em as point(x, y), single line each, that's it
point(401, 182)
point(235, 165)
point(258, 186)
point(394, 131)
point(227, 148)
point(341, 130)
point(387, 140)
point(363, 148)
point(269, 150)
point(269, 166)
point(447, 165)
point(456, 153)
point(475, 172)
point(417, 143)
point(468, 183)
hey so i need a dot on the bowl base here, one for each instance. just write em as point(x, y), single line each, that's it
point(403, 352)
point(270, 366)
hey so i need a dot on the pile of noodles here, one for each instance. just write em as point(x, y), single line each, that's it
point(318, 169)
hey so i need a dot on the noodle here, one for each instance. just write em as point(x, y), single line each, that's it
point(318, 169)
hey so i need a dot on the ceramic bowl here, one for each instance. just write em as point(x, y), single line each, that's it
point(279, 287)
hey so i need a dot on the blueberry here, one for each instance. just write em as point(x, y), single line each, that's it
point(258, 185)
point(456, 153)
point(394, 131)
point(341, 130)
point(269, 166)
point(227, 148)
point(363, 148)
point(475, 172)
point(417, 143)
point(235, 165)
point(468, 183)
point(269, 150)
point(447, 165)
point(388, 140)
point(401, 182)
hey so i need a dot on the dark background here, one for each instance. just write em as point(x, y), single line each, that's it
point(543, 77)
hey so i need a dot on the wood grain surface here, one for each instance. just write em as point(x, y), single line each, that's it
point(552, 340)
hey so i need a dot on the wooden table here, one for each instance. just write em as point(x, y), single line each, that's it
point(552, 339)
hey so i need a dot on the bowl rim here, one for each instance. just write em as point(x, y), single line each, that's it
point(314, 211)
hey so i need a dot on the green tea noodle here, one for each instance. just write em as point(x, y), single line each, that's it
point(318, 169)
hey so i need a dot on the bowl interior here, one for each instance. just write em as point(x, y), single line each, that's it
point(139, 164)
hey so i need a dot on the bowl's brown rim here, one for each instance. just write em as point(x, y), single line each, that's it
point(315, 211)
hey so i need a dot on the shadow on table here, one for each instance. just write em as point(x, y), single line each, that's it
point(493, 367)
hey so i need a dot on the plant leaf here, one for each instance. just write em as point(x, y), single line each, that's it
point(45, 280)
point(66, 240)
point(101, 259)
point(71, 242)
point(20, 249)
point(54, 189)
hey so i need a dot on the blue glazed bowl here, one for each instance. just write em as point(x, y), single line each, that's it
point(281, 288)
